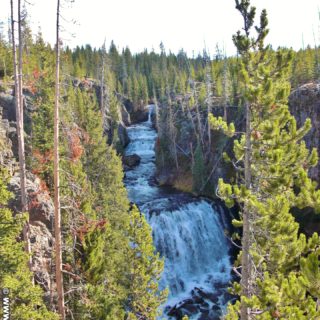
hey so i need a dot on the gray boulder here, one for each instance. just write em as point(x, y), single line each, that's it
point(123, 135)
point(125, 115)
point(131, 161)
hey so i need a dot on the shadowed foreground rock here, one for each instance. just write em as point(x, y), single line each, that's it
point(131, 161)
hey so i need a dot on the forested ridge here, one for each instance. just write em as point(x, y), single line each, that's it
point(224, 131)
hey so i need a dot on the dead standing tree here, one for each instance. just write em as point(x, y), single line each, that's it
point(18, 83)
point(57, 207)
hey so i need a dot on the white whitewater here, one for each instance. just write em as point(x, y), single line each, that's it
point(187, 231)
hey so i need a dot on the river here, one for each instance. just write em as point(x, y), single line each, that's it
point(187, 231)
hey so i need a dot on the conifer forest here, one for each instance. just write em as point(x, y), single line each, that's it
point(157, 184)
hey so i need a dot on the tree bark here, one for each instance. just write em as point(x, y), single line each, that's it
point(172, 133)
point(57, 208)
point(246, 260)
point(225, 89)
point(102, 80)
point(200, 138)
point(19, 120)
point(208, 87)
point(24, 200)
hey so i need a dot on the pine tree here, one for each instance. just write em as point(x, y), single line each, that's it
point(102, 238)
point(145, 268)
point(275, 161)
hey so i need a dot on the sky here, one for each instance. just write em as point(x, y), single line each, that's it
point(188, 24)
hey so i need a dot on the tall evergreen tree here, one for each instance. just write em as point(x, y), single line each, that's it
point(274, 162)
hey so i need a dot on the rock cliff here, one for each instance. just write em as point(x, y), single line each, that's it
point(304, 102)
point(40, 202)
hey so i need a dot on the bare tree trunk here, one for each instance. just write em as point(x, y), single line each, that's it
point(246, 260)
point(192, 155)
point(19, 120)
point(156, 112)
point(225, 89)
point(19, 95)
point(57, 209)
point(208, 87)
point(196, 102)
point(102, 80)
point(172, 133)
point(191, 119)
point(4, 67)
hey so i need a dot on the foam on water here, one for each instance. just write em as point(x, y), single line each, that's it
point(188, 233)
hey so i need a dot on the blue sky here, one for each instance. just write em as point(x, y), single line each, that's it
point(187, 24)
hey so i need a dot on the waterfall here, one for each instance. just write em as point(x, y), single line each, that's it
point(193, 243)
point(187, 231)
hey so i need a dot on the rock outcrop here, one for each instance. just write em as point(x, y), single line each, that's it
point(6, 155)
point(42, 244)
point(304, 102)
point(140, 114)
point(40, 202)
point(123, 135)
point(125, 115)
point(203, 303)
point(7, 106)
point(94, 87)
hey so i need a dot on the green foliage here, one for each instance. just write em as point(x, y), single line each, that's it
point(284, 268)
point(99, 218)
point(199, 171)
point(145, 268)
point(25, 298)
point(220, 124)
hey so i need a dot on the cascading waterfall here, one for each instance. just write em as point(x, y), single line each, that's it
point(186, 231)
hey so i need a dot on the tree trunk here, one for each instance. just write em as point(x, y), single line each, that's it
point(246, 260)
point(19, 120)
point(172, 133)
point(225, 89)
point(156, 112)
point(198, 116)
point(24, 200)
point(208, 87)
point(102, 81)
point(57, 209)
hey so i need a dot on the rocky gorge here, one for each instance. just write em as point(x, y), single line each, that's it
point(304, 102)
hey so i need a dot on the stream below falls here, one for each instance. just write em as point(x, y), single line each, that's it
point(187, 231)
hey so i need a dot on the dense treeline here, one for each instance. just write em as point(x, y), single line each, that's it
point(142, 76)
point(187, 89)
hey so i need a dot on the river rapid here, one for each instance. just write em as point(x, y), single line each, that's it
point(187, 231)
